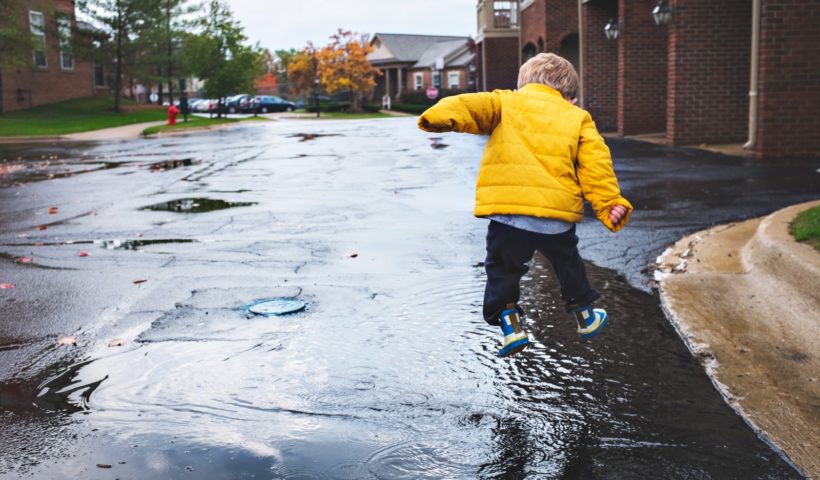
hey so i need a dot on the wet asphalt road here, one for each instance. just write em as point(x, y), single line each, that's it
point(390, 371)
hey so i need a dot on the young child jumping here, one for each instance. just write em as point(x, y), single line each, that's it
point(543, 158)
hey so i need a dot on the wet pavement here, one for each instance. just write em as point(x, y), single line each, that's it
point(389, 372)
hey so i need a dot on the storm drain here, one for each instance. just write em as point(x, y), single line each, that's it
point(271, 307)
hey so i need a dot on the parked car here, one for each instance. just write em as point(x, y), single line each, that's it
point(200, 105)
point(237, 103)
point(269, 103)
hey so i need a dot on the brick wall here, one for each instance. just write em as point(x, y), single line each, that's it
point(502, 62)
point(52, 84)
point(642, 69)
point(709, 55)
point(562, 20)
point(789, 101)
point(534, 24)
point(600, 67)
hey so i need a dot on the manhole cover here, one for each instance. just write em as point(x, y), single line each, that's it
point(275, 306)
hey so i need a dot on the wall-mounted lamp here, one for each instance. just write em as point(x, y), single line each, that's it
point(611, 29)
point(662, 13)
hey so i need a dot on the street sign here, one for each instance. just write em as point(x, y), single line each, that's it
point(432, 93)
point(440, 63)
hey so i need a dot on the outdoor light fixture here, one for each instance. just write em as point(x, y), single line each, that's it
point(662, 13)
point(611, 29)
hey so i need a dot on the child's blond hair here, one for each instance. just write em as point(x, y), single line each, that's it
point(551, 70)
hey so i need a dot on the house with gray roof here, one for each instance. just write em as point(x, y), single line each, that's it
point(415, 62)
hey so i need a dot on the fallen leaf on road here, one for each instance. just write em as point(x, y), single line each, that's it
point(117, 342)
point(66, 340)
point(137, 282)
point(25, 259)
point(103, 465)
point(352, 254)
point(83, 253)
point(6, 286)
point(42, 227)
point(53, 211)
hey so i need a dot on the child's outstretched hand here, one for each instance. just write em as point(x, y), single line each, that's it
point(617, 213)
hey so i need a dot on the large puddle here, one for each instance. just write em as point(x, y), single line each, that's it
point(389, 373)
point(196, 205)
point(410, 389)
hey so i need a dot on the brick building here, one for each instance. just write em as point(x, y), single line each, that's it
point(415, 62)
point(54, 74)
point(729, 71)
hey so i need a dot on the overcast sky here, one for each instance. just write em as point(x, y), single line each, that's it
point(281, 24)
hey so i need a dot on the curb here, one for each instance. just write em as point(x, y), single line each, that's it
point(741, 298)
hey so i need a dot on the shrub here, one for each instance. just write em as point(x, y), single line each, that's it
point(329, 107)
point(419, 97)
point(410, 108)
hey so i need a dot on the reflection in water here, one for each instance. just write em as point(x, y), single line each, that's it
point(437, 144)
point(312, 136)
point(324, 400)
point(56, 393)
point(196, 205)
point(120, 244)
point(172, 164)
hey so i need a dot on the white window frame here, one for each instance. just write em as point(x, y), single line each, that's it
point(64, 28)
point(418, 81)
point(38, 31)
point(436, 79)
point(454, 75)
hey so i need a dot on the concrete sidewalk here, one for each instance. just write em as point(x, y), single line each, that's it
point(745, 298)
point(125, 132)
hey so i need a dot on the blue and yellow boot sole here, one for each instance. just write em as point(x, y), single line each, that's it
point(595, 326)
point(515, 338)
point(514, 346)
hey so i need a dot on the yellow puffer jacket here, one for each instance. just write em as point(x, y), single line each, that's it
point(544, 155)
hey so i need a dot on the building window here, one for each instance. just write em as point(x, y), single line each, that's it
point(437, 79)
point(528, 52)
point(453, 79)
point(37, 24)
point(99, 75)
point(418, 81)
point(505, 14)
point(64, 31)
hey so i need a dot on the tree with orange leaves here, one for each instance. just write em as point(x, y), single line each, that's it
point(343, 66)
point(302, 70)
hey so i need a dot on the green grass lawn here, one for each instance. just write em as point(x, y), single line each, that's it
point(195, 122)
point(806, 227)
point(78, 115)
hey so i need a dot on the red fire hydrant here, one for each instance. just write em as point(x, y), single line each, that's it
point(173, 111)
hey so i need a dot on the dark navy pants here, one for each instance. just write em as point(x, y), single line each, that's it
point(508, 251)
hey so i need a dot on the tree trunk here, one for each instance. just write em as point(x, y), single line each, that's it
point(355, 102)
point(159, 91)
point(118, 70)
point(169, 62)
